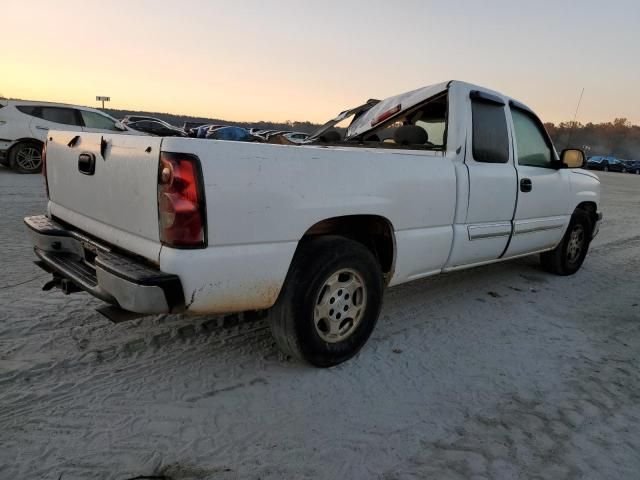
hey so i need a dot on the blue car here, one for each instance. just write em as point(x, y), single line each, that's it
point(237, 134)
point(606, 164)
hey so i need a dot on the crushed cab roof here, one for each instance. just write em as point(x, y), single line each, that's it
point(405, 100)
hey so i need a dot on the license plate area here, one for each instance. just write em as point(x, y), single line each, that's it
point(90, 252)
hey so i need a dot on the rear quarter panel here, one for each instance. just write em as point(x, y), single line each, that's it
point(261, 199)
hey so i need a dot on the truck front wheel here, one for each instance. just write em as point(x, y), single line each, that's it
point(567, 257)
point(330, 302)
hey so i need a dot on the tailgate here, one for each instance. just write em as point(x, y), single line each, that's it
point(118, 201)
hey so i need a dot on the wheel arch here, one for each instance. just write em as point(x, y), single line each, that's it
point(23, 140)
point(26, 139)
point(373, 231)
point(591, 208)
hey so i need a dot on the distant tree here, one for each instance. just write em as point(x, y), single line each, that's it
point(618, 138)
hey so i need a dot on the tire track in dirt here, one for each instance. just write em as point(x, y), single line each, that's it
point(498, 372)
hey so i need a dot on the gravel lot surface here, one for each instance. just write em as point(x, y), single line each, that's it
point(502, 371)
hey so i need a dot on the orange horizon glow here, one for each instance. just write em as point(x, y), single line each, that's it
point(282, 60)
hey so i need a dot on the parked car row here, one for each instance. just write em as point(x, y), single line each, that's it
point(155, 126)
point(228, 132)
point(152, 126)
point(24, 126)
point(282, 136)
point(613, 164)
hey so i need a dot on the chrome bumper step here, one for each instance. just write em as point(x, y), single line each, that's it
point(114, 277)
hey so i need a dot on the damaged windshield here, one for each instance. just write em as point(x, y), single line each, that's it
point(342, 116)
point(423, 125)
point(407, 120)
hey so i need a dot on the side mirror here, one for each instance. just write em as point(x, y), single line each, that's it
point(120, 126)
point(572, 158)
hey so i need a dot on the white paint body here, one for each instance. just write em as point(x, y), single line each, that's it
point(446, 211)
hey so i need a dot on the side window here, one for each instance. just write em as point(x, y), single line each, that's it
point(27, 109)
point(533, 149)
point(65, 116)
point(144, 125)
point(95, 120)
point(490, 136)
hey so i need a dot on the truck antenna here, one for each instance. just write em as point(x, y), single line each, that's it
point(575, 115)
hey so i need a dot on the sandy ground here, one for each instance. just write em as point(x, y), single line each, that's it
point(499, 372)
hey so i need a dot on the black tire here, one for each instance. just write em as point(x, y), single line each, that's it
point(294, 321)
point(565, 259)
point(605, 168)
point(26, 157)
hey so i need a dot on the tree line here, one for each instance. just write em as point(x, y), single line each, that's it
point(618, 138)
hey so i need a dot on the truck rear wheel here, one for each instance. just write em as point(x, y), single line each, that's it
point(568, 256)
point(330, 302)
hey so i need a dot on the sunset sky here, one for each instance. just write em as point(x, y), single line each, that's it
point(299, 60)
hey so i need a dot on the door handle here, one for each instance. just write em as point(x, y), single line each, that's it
point(526, 185)
point(42, 128)
point(87, 163)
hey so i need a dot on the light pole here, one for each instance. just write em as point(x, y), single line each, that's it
point(103, 99)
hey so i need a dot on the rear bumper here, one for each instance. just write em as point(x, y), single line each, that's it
point(118, 279)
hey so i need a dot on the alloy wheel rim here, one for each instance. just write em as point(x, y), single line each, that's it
point(576, 244)
point(340, 305)
point(29, 158)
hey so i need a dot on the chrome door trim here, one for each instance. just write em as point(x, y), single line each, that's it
point(489, 230)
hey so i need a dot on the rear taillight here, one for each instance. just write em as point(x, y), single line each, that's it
point(44, 167)
point(181, 209)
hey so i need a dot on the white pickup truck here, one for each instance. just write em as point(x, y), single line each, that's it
point(442, 178)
